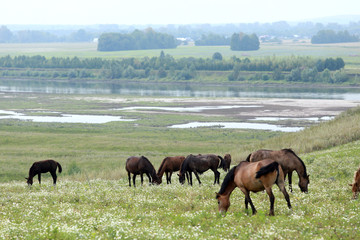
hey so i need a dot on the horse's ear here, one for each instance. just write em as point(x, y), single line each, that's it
point(27, 178)
point(350, 184)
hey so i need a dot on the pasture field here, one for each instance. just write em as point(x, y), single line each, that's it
point(348, 51)
point(109, 209)
point(92, 199)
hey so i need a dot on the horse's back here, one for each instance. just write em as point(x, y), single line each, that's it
point(202, 163)
point(44, 166)
point(132, 164)
point(245, 177)
point(260, 155)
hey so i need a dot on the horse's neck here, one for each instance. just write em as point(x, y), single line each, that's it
point(161, 169)
point(229, 188)
point(300, 169)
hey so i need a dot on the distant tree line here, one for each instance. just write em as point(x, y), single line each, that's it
point(34, 36)
point(291, 69)
point(148, 39)
point(244, 42)
point(213, 40)
point(330, 36)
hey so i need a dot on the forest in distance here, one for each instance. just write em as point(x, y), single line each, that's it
point(289, 69)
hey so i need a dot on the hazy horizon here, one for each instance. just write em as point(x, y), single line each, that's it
point(163, 12)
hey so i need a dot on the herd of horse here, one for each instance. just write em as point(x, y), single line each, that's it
point(259, 172)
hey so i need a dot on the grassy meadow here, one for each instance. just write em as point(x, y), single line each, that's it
point(92, 199)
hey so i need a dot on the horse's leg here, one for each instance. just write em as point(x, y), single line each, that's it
point(197, 176)
point(272, 200)
point(129, 177)
point(248, 199)
point(142, 178)
point(187, 177)
point(217, 177)
point(134, 176)
point(39, 177)
point(246, 204)
point(170, 174)
point(190, 173)
point(290, 180)
point(53, 174)
point(282, 188)
point(148, 175)
point(167, 177)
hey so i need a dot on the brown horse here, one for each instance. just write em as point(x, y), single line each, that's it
point(226, 163)
point(252, 177)
point(43, 167)
point(356, 184)
point(200, 164)
point(289, 162)
point(168, 166)
point(141, 165)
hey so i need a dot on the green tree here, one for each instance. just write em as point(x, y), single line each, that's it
point(244, 42)
point(217, 56)
point(5, 34)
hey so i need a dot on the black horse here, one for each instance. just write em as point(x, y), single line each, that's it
point(141, 165)
point(200, 164)
point(43, 167)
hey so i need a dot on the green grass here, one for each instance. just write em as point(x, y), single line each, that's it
point(93, 201)
point(109, 209)
point(287, 48)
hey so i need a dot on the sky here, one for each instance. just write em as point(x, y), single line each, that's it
point(134, 12)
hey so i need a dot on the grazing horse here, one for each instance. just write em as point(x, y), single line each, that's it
point(356, 184)
point(252, 177)
point(199, 164)
point(226, 163)
point(169, 165)
point(43, 167)
point(289, 162)
point(141, 165)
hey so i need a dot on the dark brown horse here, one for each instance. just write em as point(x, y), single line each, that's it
point(252, 177)
point(43, 167)
point(168, 166)
point(289, 162)
point(199, 164)
point(141, 165)
point(226, 163)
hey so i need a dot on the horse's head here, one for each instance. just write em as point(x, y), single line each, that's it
point(303, 183)
point(156, 179)
point(181, 178)
point(223, 203)
point(29, 181)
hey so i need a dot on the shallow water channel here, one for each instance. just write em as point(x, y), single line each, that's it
point(222, 92)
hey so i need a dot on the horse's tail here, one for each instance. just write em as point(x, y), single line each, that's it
point(60, 168)
point(248, 158)
point(268, 169)
point(222, 163)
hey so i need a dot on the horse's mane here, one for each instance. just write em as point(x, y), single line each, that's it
point(148, 161)
point(162, 164)
point(228, 178)
point(289, 150)
point(185, 164)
